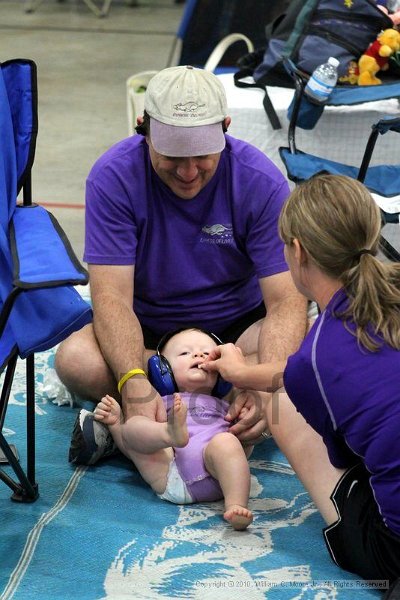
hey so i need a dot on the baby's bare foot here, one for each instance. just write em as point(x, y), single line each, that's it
point(238, 516)
point(108, 411)
point(177, 427)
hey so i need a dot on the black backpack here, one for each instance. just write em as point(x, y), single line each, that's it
point(308, 33)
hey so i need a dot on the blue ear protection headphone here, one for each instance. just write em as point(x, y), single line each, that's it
point(160, 373)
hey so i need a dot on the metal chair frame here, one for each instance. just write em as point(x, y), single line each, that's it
point(300, 82)
point(32, 5)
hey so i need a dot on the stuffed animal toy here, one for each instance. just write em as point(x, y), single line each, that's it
point(375, 58)
point(351, 76)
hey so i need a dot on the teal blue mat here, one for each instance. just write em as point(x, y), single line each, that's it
point(100, 532)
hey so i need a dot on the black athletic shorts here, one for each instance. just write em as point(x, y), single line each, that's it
point(229, 334)
point(359, 541)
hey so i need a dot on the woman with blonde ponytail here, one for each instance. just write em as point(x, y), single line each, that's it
point(339, 425)
point(338, 224)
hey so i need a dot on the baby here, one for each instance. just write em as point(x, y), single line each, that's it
point(191, 457)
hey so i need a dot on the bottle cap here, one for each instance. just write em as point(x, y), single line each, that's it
point(333, 61)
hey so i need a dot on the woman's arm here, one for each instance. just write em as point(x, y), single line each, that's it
point(229, 361)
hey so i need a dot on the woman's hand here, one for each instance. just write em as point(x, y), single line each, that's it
point(228, 360)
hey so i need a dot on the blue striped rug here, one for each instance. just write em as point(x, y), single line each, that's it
point(101, 533)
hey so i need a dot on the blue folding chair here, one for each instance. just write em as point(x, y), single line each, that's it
point(39, 307)
point(383, 180)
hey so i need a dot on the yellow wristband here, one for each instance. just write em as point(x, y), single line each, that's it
point(128, 375)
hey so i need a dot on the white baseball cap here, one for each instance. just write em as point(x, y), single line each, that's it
point(186, 107)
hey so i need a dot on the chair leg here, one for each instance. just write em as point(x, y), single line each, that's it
point(27, 489)
point(6, 389)
point(32, 5)
point(106, 7)
point(103, 12)
point(388, 250)
point(30, 418)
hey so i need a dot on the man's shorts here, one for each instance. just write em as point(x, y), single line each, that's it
point(359, 541)
point(229, 334)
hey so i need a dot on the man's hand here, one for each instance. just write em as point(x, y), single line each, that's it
point(248, 409)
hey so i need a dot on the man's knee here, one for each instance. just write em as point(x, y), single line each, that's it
point(78, 346)
point(79, 357)
point(248, 341)
point(81, 366)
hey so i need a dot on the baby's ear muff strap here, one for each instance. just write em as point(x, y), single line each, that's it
point(221, 388)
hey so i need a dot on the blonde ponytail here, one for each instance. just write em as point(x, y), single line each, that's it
point(338, 223)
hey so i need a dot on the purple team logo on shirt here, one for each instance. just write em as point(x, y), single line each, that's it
point(217, 234)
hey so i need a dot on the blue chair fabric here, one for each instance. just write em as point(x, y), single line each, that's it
point(305, 114)
point(383, 180)
point(39, 305)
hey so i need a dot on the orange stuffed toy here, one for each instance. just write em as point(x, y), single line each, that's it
point(375, 58)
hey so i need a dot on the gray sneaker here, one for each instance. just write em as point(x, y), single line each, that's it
point(90, 440)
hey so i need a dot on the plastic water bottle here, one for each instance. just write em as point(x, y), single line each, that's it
point(322, 81)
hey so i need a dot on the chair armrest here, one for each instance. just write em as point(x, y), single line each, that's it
point(41, 252)
point(387, 124)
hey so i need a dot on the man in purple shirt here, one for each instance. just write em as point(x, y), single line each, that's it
point(181, 230)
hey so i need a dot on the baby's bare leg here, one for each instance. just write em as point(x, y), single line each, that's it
point(155, 439)
point(226, 461)
point(177, 425)
point(149, 434)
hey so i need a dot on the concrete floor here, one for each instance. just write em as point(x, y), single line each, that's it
point(83, 63)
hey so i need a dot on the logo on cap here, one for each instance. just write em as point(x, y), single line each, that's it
point(188, 106)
